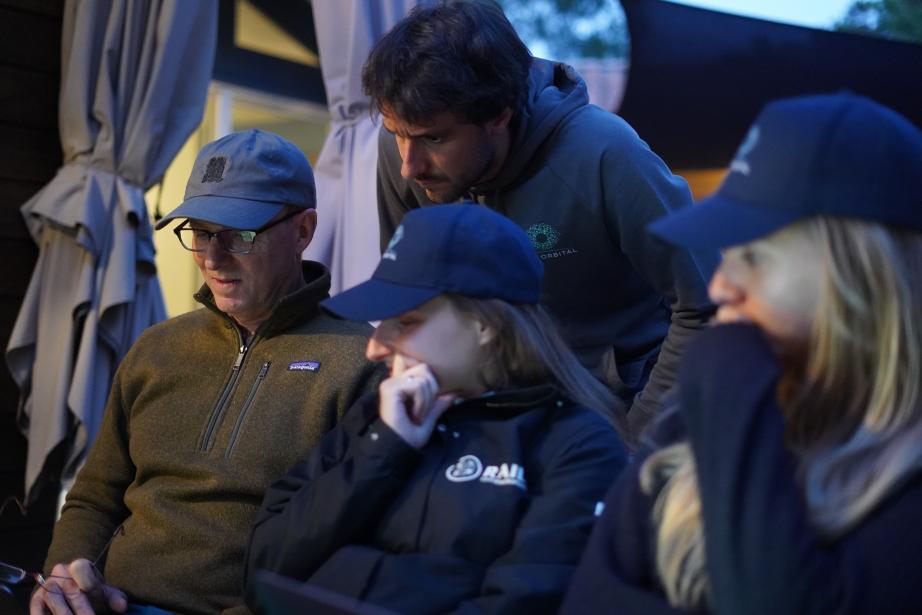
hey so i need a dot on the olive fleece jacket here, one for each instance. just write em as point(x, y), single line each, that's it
point(196, 427)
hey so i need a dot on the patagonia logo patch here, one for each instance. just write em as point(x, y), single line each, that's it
point(304, 366)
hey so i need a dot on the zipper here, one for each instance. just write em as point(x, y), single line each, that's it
point(447, 449)
point(218, 411)
point(246, 406)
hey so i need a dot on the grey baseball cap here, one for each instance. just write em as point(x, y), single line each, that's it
point(244, 180)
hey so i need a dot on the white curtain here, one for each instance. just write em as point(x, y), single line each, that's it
point(347, 229)
point(134, 78)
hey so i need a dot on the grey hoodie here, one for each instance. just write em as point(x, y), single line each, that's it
point(584, 186)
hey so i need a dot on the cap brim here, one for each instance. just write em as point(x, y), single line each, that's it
point(227, 211)
point(378, 300)
point(719, 222)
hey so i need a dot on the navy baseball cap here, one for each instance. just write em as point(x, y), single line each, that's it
point(833, 155)
point(464, 249)
point(244, 180)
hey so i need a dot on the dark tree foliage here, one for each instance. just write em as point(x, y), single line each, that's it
point(569, 29)
point(896, 19)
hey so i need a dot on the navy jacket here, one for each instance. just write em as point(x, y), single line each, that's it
point(763, 555)
point(490, 516)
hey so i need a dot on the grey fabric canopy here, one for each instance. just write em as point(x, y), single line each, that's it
point(134, 79)
point(347, 229)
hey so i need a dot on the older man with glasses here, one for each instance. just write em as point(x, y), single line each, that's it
point(207, 408)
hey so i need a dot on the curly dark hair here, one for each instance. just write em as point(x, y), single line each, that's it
point(459, 56)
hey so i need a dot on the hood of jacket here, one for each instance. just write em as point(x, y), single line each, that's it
point(555, 90)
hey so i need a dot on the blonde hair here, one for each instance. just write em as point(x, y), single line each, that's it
point(680, 556)
point(527, 350)
point(853, 413)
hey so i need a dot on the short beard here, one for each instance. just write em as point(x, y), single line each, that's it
point(484, 155)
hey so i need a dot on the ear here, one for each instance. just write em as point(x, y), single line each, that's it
point(485, 333)
point(307, 224)
point(499, 123)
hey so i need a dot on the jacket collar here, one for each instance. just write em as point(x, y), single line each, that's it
point(512, 401)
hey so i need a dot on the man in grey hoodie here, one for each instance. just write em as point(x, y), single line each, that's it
point(469, 114)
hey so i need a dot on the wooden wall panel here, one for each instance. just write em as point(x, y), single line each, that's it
point(30, 153)
point(31, 39)
point(28, 98)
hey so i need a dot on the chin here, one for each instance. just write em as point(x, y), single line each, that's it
point(228, 306)
point(444, 196)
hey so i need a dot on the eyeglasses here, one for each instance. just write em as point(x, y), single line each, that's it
point(14, 575)
point(232, 240)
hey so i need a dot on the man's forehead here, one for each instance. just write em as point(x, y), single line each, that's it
point(446, 120)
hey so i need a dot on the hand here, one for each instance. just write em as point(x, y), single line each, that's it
point(76, 588)
point(410, 404)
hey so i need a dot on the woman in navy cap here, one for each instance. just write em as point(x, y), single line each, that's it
point(471, 481)
point(791, 479)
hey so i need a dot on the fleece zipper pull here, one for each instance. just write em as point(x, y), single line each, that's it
point(240, 354)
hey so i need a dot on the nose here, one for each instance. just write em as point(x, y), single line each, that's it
point(722, 290)
point(215, 254)
point(378, 348)
point(413, 159)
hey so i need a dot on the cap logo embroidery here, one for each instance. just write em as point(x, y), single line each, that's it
point(214, 172)
point(304, 366)
point(740, 164)
point(390, 253)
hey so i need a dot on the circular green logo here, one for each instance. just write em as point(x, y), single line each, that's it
point(543, 236)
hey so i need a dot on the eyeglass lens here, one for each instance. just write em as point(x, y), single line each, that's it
point(11, 575)
point(231, 240)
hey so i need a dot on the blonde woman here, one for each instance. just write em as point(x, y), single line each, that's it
point(470, 481)
point(792, 477)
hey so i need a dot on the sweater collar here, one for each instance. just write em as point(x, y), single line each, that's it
point(300, 305)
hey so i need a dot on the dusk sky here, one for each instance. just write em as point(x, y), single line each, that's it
point(813, 13)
